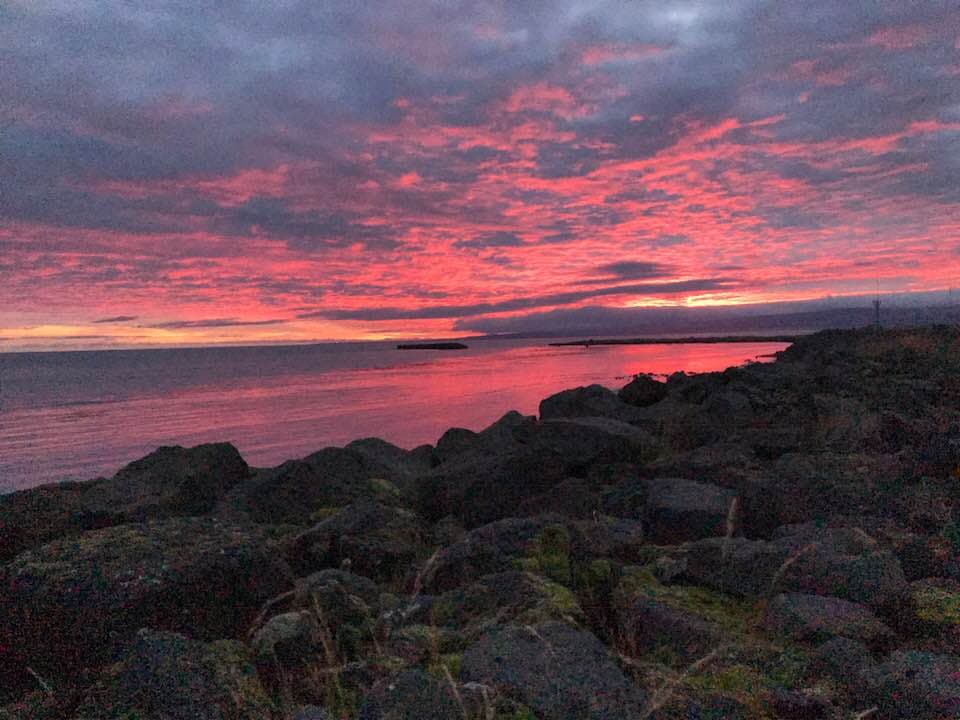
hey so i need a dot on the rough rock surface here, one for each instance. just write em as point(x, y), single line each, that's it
point(559, 672)
point(92, 591)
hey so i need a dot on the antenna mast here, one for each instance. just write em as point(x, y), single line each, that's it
point(876, 307)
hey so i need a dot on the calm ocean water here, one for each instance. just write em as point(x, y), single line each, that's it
point(84, 414)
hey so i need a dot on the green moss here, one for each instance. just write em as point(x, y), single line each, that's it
point(558, 603)
point(938, 605)
point(447, 663)
point(731, 614)
point(521, 713)
point(731, 680)
point(384, 488)
point(234, 672)
point(952, 531)
point(322, 513)
point(549, 555)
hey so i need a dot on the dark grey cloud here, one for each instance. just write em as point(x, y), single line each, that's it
point(116, 319)
point(213, 323)
point(642, 195)
point(523, 303)
point(669, 240)
point(630, 270)
point(496, 239)
point(307, 230)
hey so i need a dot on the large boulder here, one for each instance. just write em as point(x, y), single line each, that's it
point(756, 568)
point(503, 597)
point(816, 618)
point(648, 625)
point(679, 510)
point(375, 540)
point(915, 685)
point(332, 605)
point(287, 643)
point(300, 491)
point(169, 482)
point(415, 695)
point(548, 545)
point(492, 440)
point(590, 401)
point(559, 672)
point(643, 391)
point(488, 549)
point(67, 604)
point(482, 486)
point(166, 675)
point(30, 518)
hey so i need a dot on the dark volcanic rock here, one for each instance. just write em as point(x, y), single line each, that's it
point(169, 482)
point(486, 550)
point(413, 695)
point(559, 672)
point(299, 490)
point(481, 486)
point(678, 510)
point(30, 518)
point(812, 618)
point(66, 604)
point(549, 545)
point(840, 659)
point(647, 625)
point(916, 685)
point(504, 597)
point(573, 498)
point(746, 568)
point(378, 541)
point(643, 391)
point(792, 705)
point(287, 642)
point(165, 675)
point(758, 568)
point(590, 401)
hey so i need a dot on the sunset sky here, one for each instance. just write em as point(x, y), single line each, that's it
point(196, 172)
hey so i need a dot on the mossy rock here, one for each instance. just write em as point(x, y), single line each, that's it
point(521, 597)
point(939, 606)
point(549, 555)
point(733, 615)
point(167, 675)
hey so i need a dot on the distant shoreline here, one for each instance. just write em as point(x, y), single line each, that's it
point(681, 341)
point(432, 346)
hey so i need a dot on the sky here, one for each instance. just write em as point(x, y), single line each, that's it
point(197, 172)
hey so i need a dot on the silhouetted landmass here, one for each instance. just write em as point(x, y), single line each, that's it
point(432, 346)
point(681, 341)
point(774, 540)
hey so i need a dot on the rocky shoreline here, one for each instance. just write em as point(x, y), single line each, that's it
point(777, 540)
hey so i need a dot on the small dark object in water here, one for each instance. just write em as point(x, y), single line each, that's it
point(433, 346)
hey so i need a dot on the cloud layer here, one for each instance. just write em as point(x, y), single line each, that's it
point(340, 169)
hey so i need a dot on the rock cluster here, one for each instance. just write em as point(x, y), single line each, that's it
point(777, 540)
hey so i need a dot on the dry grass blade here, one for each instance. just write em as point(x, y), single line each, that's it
point(456, 692)
point(40, 681)
point(267, 607)
point(787, 564)
point(662, 696)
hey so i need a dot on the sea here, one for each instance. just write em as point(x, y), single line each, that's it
point(85, 414)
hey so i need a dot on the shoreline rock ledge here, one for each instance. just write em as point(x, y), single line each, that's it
point(776, 540)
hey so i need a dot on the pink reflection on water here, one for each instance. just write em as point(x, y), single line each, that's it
point(405, 399)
